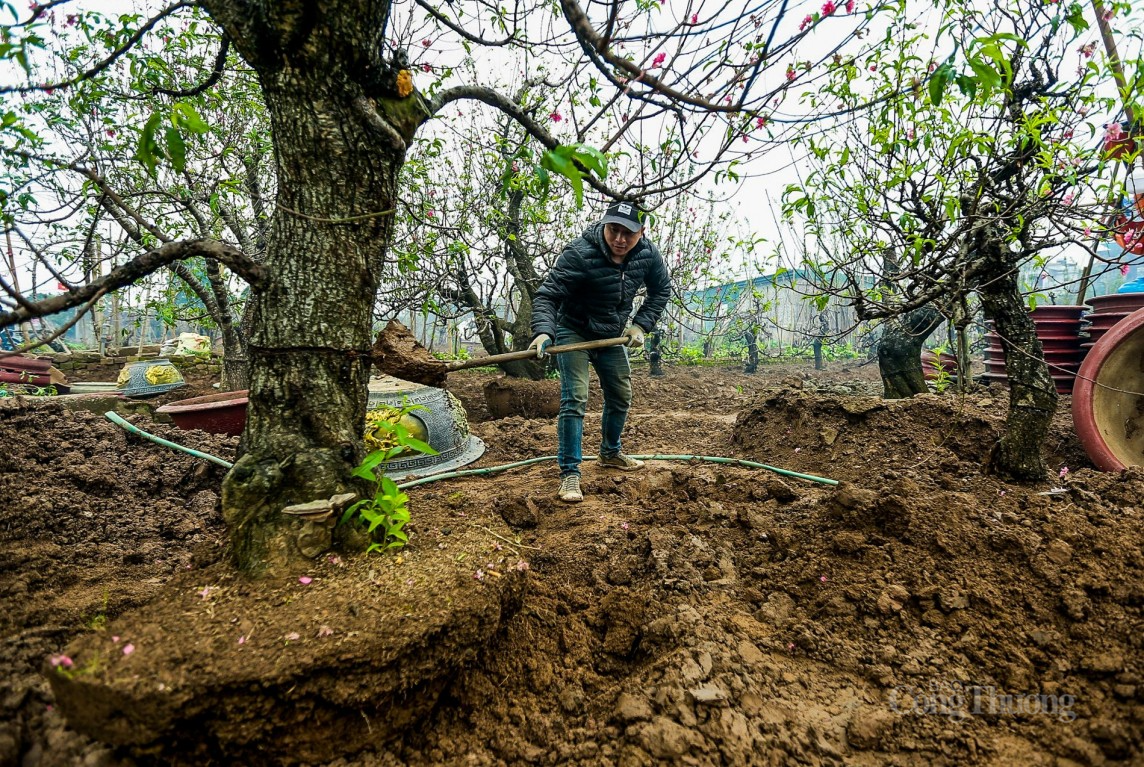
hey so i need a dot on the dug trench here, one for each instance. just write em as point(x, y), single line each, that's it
point(917, 613)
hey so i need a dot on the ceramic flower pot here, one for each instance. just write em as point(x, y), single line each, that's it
point(147, 378)
point(1107, 406)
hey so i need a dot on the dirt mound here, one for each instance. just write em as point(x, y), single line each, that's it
point(528, 399)
point(917, 613)
point(946, 438)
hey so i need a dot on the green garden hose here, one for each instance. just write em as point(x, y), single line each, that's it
point(118, 420)
point(652, 457)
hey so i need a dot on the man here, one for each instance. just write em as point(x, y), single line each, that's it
point(588, 295)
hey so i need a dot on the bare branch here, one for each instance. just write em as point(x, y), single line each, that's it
point(214, 77)
point(256, 275)
point(110, 59)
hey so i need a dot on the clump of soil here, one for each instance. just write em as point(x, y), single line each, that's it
point(506, 397)
point(398, 353)
point(916, 613)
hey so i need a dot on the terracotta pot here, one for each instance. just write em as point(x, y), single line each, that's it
point(1107, 415)
point(222, 413)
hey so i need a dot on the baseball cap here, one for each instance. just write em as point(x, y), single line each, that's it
point(626, 214)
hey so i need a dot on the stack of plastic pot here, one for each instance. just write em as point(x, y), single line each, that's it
point(1107, 311)
point(994, 357)
point(1058, 328)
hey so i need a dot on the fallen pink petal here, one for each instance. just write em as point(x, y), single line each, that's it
point(128, 649)
point(305, 580)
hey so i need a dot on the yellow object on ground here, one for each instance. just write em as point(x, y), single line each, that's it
point(162, 374)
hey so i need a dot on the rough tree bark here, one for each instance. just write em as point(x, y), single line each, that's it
point(1032, 393)
point(340, 131)
point(900, 350)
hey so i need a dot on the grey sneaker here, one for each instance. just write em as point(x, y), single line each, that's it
point(570, 488)
point(620, 461)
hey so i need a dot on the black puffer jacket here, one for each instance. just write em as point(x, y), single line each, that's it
point(588, 293)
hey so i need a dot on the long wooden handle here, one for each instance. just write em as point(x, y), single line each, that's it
point(526, 354)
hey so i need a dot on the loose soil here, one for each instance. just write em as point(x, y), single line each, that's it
point(918, 613)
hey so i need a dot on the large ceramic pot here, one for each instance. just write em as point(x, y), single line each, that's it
point(1108, 400)
point(222, 413)
point(438, 418)
point(147, 378)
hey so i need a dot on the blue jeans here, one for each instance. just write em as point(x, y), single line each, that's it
point(615, 374)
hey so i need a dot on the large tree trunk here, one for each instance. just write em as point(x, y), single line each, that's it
point(1032, 393)
point(339, 141)
point(900, 352)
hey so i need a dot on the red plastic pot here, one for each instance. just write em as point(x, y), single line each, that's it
point(17, 363)
point(931, 362)
point(16, 369)
point(1107, 413)
point(24, 377)
point(222, 413)
point(1060, 312)
point(1058, 328)
point(1115, 302)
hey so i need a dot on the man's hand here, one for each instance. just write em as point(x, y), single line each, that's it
point(635, 336)
point(540, 343)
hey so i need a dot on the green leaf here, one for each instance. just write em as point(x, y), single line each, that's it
point(372, 460)
point(148, 151)
point(176, 148)
point(967, 85)
point(937, 84)
point(419, 446)
point(389, 487)
point(1075, 19)
point(188, 119)
point(987, 77)
point(558, 161)
point(363, 473)
point(593, 159)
